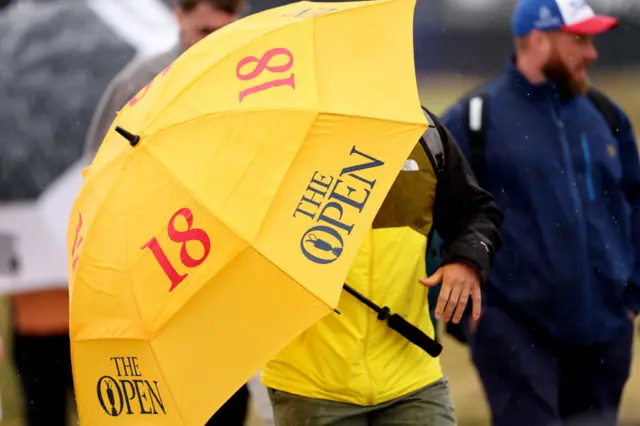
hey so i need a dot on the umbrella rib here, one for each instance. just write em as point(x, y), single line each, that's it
point(191, 193)
point(94, 172)
point(253, 160)
point(90, 225)
point(82, 248)
point(277, 192)
point(129, 286)
point(295, 109)
point(198, 200)
point(135, 300)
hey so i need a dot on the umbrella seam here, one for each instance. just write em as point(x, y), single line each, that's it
point(270, 204)
point(135, 300)
point(95, 171)
point(193, 195)
point(198, 200)
point(89, 228)
point(82, 249)
point(294, 109)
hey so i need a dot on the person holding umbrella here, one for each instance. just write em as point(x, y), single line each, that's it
point(350, 369)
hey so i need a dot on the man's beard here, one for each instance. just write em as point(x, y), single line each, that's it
point(569, 85)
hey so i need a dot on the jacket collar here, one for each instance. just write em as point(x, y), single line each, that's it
point(541, 91)
point(523, 86)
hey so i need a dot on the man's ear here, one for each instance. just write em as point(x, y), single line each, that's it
point(540, 41)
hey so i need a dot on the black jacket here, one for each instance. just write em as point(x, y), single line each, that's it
point(466, 216)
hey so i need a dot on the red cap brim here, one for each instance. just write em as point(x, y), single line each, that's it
point(593, 26)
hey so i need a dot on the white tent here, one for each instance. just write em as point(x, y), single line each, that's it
point(56, 59)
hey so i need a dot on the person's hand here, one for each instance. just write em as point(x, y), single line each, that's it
point(632, 315)
point(458, 282)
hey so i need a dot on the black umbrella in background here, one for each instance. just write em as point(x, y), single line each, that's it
point(56, 59)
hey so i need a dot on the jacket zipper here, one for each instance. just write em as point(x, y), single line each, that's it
point(571, 176)
point(587, 165)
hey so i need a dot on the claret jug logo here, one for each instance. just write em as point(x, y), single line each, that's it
point(128, 392)
point(331, 203)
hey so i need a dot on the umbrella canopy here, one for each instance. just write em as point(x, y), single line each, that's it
point(223, 211)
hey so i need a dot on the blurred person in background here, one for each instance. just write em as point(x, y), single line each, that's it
point(554, 344)
point(42, 355)
point(353, 370)
point(196, 20)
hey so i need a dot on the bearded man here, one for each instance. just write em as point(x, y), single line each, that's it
point(554, 343)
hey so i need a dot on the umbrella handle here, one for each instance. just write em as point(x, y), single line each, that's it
point(400, 325)
point(414, 335)
point(364, 300)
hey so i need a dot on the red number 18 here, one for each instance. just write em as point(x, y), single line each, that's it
point(263, 64)
point(191, 234)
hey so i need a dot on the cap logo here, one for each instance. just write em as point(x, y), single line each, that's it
point(546, 19)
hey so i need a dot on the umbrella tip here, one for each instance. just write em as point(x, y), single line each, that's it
point(337, 312)
point(133, 139)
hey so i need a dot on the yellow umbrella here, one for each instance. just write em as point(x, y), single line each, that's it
point(255, 165)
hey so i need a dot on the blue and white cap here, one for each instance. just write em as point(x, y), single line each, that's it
point(574, 16)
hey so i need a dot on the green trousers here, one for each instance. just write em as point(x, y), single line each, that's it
point(429, 406)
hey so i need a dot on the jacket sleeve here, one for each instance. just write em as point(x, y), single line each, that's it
point(465, 215)
point(631, 186)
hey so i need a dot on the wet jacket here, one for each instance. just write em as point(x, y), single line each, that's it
point(570, 192)
point(357, 359)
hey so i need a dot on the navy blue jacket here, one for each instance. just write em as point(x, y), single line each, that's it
point(570, 193)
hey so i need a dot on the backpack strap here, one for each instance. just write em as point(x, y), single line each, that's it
point(432, 144)
point(475, 117)
point(608, 110)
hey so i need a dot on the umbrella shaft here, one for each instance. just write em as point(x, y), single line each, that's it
point(363, 299)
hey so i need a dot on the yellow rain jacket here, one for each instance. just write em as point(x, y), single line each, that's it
point(354, 357)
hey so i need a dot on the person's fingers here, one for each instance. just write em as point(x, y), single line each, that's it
point(433, 280)
point(452, 303)
point(461, 305)
point(443, 298)
point(473, 324)
point(476, 296)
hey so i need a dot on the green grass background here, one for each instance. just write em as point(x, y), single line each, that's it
point(437, 93)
